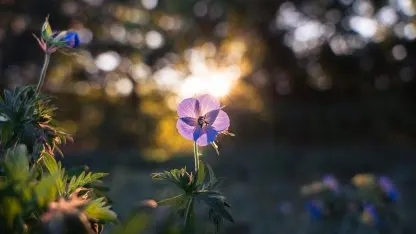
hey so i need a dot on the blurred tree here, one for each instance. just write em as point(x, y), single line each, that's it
point(327, 71)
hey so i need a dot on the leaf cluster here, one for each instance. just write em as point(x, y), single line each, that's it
point(202, 187)
point(27, 118)
point(27, 192)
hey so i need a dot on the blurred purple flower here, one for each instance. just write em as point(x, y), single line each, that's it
point(201, 119)
point(370, 215)
point(315, 209)
point(331, 182)
point(387, 186)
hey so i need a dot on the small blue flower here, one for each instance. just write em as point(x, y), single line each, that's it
point(71, 39)
point(315, 209)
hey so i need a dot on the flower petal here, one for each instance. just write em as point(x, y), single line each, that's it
point(209, 135)
point(208, 103)
point(185, 130)
point(189, 107)
point(211, 116)
point(198, 132)
point(72, 39)
point(190, 121)
point(221, 122)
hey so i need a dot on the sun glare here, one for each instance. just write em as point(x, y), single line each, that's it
point(216, 83)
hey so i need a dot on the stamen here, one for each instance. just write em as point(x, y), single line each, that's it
point(202, 122)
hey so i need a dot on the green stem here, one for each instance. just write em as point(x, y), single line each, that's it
point(43, 72)
point(196, 157)
point(188, 214)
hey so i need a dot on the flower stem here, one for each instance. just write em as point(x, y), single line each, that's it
point(43, 72)
point(196, 157)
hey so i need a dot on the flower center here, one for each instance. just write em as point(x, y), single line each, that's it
point(202, 122)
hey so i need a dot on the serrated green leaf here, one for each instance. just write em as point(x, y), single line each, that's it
point(170, 176)
point(98, 210)
point(53, 168)
point(215, 201)
point(50, 163)
point(83, 179)
point(178, 201)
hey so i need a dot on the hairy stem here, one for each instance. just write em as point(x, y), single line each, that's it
point(196, 157)
point(43, 72)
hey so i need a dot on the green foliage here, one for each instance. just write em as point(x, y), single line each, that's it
point(27, 118)
point(97, 209)
point(32, 179)
point(201, 188)
point(25, 196)
point(100, 211)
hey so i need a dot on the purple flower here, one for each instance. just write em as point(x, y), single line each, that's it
point(331, 182)
point(388, 188)
point(370, 215)
point(201, 119)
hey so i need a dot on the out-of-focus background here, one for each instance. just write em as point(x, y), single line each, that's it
point(311, 86)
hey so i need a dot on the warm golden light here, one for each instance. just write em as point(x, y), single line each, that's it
point(205, 73)
point(216, 83)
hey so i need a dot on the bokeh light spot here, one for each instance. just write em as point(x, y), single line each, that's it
point(85, 35)
point(108, 61)
point(149, 4)
point(399, 52)
point(201, 8)
point(154, 39)
point(82, 88)
point(387, 16)
point(366, 27)
point(124, 86)
point(409, 31)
